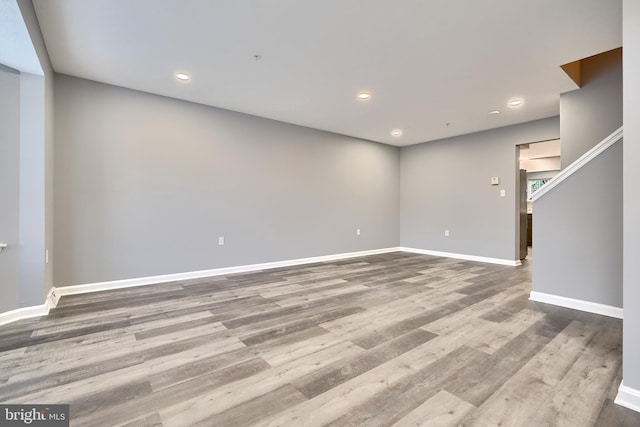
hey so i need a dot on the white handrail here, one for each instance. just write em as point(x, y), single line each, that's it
point(575, 166)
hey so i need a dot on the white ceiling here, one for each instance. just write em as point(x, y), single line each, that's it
point(426, 63)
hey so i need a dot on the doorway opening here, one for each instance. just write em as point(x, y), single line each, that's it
point(537, 163)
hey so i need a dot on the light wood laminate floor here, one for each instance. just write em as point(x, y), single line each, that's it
point(395, 339)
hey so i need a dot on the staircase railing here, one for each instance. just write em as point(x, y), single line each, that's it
point(578, 164)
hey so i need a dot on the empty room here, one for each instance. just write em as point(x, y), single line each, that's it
point(314, 213)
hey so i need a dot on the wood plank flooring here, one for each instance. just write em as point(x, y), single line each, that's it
point(387, 340)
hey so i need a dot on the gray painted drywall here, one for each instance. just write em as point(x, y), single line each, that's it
point(47, 145)
point(27, 189)
point(577, 232)
point(145, 185)
point(24, 190)
point(9, 188)
point(591, 113)
point(446, 185)
point(32, 190)
point(631, 178)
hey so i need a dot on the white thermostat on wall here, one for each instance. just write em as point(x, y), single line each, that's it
point(495, 180)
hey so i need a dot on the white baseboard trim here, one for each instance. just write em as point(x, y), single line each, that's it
point(141, 281)
point(576, 304)
point(628, 397)
point(23, 313)
point(52, 298)
point(57, 292)
point(500, 261)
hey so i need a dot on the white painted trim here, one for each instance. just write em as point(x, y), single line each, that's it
point(578, 164)
point(628, 397)
point(52, 298)
point(23, 313)
point(576, 304)
point(57, 292)
point(462, 256)
point(141, 281)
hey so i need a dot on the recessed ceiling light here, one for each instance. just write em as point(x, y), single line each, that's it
point(183, 76)
point(363, 96)
point(495, 112)
point(516, 102)
point(396, 132)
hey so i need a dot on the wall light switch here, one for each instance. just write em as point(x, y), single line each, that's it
point(357, 232)
point(221, 241)
point(495, 180)
point(503, 193)
point(446, 233)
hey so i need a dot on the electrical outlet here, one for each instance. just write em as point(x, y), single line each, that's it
point(503, 193)
point(446, 233)
point(221, 241)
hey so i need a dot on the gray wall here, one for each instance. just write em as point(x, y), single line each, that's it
point(578, 233)
point(23, 216)
point(591, 113)
point(40, 126)
point(9, 189)
point(446, 185)
point(26, 169)
point(32, 190)
point(25, 278)
point(145, 185)
point(631, 178)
